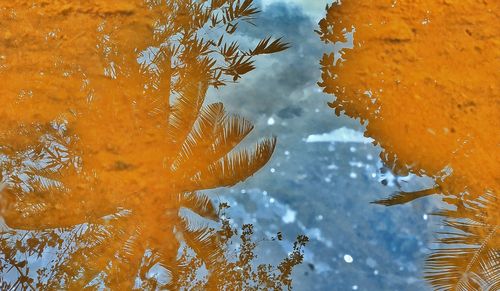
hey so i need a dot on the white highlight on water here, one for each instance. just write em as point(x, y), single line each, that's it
point(342, 134)
point(348, 259)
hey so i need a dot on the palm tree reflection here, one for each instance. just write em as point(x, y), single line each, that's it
point(103, 187)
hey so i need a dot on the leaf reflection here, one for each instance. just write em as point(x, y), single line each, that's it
point(107, 141)
point(424, 82)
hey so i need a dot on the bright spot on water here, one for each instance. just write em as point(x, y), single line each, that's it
point(374, 175)
point(271, 121)
point(375, 272)
point(353, 175)
point(287, 153)
point(369, 157)
point(319, 217)
point(264, 193)
point(352, 149)
point(342, 134)
point(273, 170)
point(272, 200)
point(356, 164)
point(354, 287)
point(348, 259)
point(289, 216)
point(332, 167)
point(425, 217)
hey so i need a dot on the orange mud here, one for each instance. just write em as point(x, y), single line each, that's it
point(100, 152)
point(424, 76)
point(433, 70)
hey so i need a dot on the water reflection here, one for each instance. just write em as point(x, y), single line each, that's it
point(106, 140)
point(424, 82)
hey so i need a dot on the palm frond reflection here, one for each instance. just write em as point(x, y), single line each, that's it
point(104, 159)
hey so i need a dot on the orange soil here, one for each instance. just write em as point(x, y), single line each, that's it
point(433, 69)
point(125, 146)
